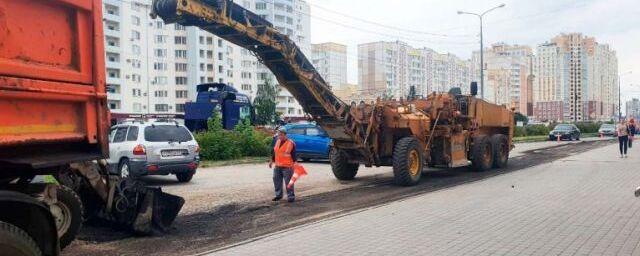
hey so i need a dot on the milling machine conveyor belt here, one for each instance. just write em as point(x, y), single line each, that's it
point(278, 52)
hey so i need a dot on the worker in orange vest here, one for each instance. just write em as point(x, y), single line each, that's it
point(284, 157)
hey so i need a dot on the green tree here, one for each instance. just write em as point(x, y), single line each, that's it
point(265, 103)
point(519, 117)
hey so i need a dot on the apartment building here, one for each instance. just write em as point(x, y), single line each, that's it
point(330, 60)
point(390, 69)
point(579, 74)
point(514, 61)
point(153, 68)
point(633, 109)
point(292, 18)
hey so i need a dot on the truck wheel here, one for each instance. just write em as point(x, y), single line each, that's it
point(408, 162)
point(67, 213)
point(482, 154)
point(342, 169)
point(500, 145)
point(14, 241)
point(185, 176)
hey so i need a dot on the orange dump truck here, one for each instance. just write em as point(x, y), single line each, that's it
point(54, 121)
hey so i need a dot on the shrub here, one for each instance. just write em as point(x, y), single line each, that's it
point(537, 130)
point(520, 132)
point(219, 144)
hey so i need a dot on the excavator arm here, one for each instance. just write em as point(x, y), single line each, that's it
point(348, 127)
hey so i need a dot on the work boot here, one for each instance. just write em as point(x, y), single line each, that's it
point(276, 199)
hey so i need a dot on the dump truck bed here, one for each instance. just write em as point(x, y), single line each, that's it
point(52, 88)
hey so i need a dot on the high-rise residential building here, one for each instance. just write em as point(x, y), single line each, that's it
point(390, 69)
point(507, 75)
point(575, 80)
point(633, 109)
point(292, 18)
point(330, 60)
point(153, 68)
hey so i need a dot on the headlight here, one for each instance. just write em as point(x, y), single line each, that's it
point(402, 109)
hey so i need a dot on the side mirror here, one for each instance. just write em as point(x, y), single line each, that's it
point(474, 88)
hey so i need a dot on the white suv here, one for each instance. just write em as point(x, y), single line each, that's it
point(139, 148)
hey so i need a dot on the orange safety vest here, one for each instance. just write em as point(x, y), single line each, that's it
point(283, 154)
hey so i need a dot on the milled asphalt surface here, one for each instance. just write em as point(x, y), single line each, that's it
point(212, 187)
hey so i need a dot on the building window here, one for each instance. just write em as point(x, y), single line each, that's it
point(246, 87)
point(181, 54)
point(137, 107)
point(135, 20)
point(135, 35)
point(181, 94)
point(114, 104)
point(160, 80)
point(161, 53)
point(180, 80)
point(161, 94)
point(160, 66)
point(135, 49)
point(161, 39)
point(180, 108)
point(261, 6)
point(162, 108)
point(181, 40)
point(181, 67)
point(113, 73)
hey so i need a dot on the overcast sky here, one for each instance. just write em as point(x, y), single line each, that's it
point(436, 24)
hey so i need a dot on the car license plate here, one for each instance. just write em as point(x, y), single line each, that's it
point(174, 153)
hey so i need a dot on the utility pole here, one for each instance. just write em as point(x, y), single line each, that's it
point(482, 45)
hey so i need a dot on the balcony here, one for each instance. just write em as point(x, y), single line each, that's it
point(113, 33)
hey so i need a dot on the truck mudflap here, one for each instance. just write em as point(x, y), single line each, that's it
point(145, 210)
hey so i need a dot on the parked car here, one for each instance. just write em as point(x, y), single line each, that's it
point(311, 141)
point(565, 132)
point(139, 148)
point(607, 130)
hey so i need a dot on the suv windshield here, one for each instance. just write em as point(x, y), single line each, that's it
point(608, 126)
point(167, 133)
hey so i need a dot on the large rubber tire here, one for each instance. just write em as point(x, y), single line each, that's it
point(69, 215)
point(185, 176)
point(500, 146)
point(482, 154)
point(15, 242)
point(342, 169)
point(408, 162)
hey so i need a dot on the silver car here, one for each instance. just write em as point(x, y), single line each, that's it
point(139, 148)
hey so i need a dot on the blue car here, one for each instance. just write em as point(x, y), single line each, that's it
point(311, 141)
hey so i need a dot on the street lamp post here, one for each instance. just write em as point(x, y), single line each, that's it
point(620, 93)
point(481, 45)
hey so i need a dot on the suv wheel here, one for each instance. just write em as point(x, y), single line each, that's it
point(185, 177)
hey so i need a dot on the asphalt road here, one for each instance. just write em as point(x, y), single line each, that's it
point(230, 204)
point(580, 205)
